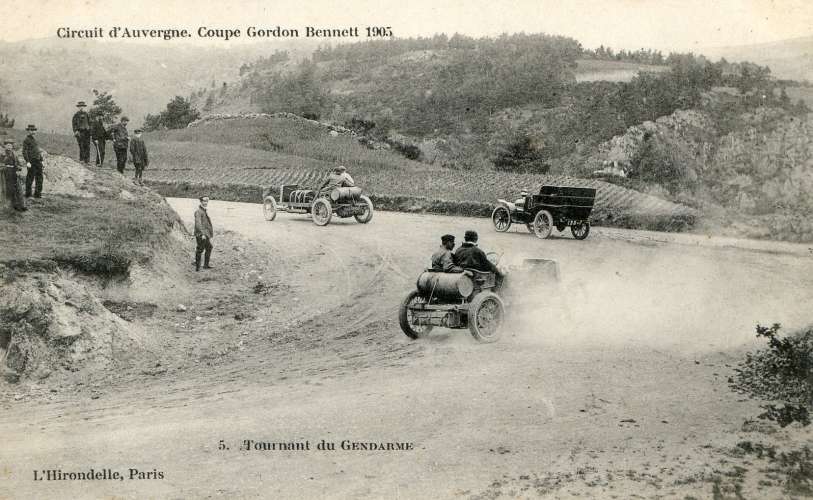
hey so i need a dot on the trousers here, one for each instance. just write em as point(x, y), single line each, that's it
point(100, 152)
point(34, 175)
point(121, 159)
point(83, 139)
point(204, 247)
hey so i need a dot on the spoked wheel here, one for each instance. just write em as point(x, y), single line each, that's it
point(580, 231)
point(543, 224)
point(486, 314)
point(321, 211)
point(367, 215)
point(501, 218)
point(406, 317)
point(269, 208)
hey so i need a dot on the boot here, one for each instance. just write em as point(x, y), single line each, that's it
point(197, 263)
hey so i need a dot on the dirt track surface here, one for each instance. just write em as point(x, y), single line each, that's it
point(614, 385)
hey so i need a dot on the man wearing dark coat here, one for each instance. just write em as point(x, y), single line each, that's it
point(81, 130)
point(203, 234)
point(99, 135)
point(121, 142)
point(33, 157)
point(138, 153)
point(13, 184)
point(470, 256)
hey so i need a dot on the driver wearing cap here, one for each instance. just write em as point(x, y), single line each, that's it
point(470, 256)
point(338, 178)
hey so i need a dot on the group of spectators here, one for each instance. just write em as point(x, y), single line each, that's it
point(12, 180)
point(89, 131)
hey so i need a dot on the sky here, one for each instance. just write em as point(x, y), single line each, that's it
point(659, 24)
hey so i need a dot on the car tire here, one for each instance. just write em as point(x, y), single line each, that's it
point(269, 208)
point(412, 331)
point(501, 218)
point(321, 211)
point(368, 215)
point(580, 231)
point(486, 315)
point(543, 224)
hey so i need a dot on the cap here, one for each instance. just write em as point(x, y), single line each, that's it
point(137, 131)
point(470, 235)
point(8, 140)
point(447, 237)
point(81, 104)
point(340, 168)
point(30, 128)
point(124, 119)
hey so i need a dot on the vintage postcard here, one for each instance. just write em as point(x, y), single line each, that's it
point(377, 249)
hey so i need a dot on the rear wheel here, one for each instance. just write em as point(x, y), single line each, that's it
point(321, 211)
point(406, 317)
point(486, 313)
point(543, 224)
point(501, 218)
point(367, 215)
point(580, 231)
point(269, 208)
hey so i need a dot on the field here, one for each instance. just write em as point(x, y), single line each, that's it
point(591, 70)
point(267, 152)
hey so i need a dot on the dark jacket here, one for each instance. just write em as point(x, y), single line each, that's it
point(138, 150)
point(469, 256)
point(10, 160)
point(81, 121)
point(120, 136)
point(203, 225)
point(31, 150)
point(97, 130)
point(443, 260)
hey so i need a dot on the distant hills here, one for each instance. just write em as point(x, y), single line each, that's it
point(788, 59)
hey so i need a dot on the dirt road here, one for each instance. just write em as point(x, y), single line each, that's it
point(613, 387)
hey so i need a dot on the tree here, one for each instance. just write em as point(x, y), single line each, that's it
point(179, 114)
point(104, 107)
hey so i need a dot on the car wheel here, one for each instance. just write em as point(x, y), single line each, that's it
point(367, 216)
point(405, 317)
point(501, 218)
point(543, 224)
point(486, 314)
point(321, 211)
point(580, 231)
point(269, 208)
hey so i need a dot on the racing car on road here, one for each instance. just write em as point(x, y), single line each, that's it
point(554, 206)
point(321, 204)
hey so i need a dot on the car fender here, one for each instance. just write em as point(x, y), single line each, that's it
point(507, 204)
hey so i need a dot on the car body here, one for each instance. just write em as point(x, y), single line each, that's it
point(322, 205)
point(554, 206)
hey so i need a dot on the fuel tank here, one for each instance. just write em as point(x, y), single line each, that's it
point(445, 286)
point(341, 194)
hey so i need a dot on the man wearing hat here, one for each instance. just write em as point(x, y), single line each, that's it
point(443, 259)
point(32, 155)
point(121, 141)
point(337, 178)
point(13, 166)
point(138, 153)
point(470, 256)
point(81, 130)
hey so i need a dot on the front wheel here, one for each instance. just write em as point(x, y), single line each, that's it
point(367, 215)
point(580, 231)
point(270, 208)
point(486, 313)
point(406, 317)
point(501, 218)
point(321, 211)
point(543, 224)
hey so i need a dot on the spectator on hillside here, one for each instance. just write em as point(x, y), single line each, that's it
point(99, 135)
point(33, 158)
point(13, 185)
point(121, 141)
point(81, 130)
point(203, 234)
point(138, 153)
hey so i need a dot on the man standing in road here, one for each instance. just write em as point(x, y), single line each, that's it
point(99, 135)
point(33, 157)
point(13, 166)
point(81, 130)
point(443, 259)
point(121, 141)
point(203, 234)
point(469, 256)
point(138, 153)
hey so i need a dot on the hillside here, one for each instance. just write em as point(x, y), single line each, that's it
point(788, 59)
